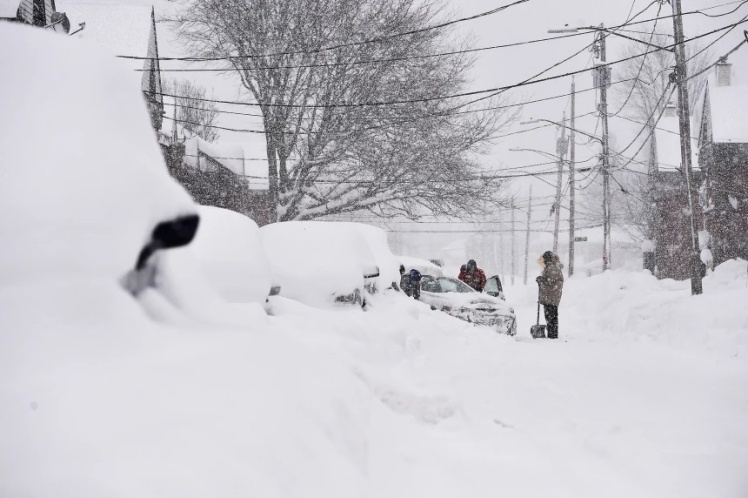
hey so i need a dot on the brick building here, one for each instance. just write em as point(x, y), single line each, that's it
point(721, 123)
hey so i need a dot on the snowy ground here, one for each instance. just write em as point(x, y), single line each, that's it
point(645, 396)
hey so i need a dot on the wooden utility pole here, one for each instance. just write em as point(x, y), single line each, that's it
point(603, 75)
point(513, 245)
point(561, 151)
point(501, 267)
point(527, 238)
point(681, 77)
point(572, 158)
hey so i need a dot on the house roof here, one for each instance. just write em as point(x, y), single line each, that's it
point(726, 108)
point(729, 112)
point(230, 157)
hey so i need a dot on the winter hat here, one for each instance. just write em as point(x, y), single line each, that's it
point(471, 265)
point(548, 256)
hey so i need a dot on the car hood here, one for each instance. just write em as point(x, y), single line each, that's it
point(466, 300)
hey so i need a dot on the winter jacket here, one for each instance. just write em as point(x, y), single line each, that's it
point(411, 286)
point(551, 283)
point(475, 279)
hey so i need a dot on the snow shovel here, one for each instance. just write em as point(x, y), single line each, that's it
point(538, 331)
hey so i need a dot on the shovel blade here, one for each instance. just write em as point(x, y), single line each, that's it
point(537, 331)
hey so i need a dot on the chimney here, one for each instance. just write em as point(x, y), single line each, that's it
point(671, 111)
point(724, 70)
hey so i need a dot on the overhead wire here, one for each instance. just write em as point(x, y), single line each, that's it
point(641, 67)
point(340, 45)
point(508, 45)
point(457, 95)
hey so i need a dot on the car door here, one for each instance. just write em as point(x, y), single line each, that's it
point(494, 288)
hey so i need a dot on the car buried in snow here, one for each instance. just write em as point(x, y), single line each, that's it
point(321, 263)
point(458, 299)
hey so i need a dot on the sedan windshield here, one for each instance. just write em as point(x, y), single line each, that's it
point(445, 284)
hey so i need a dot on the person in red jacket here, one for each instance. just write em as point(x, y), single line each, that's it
point(472, 275)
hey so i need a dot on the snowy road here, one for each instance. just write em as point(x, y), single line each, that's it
point(590, 419)
point(645, 397)
point(601, 413)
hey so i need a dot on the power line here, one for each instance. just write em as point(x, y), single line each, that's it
point(507, 45)
point(641, 66)
point(342, 45)
point(457, 95)
point(348, 63)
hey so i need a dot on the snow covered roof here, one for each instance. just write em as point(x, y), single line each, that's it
point(726, 108)
point(729, 111)
point(229, 155)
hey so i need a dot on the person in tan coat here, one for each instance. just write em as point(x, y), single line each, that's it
point(550, 288)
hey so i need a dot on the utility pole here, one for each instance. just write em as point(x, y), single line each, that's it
point(572, 158)
point(527, 238)
point(681, 77)
point(561, 151)
point(500, 264)
point(513, 245)
point(603, 72)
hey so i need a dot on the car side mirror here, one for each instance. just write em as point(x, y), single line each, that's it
point(167, 235)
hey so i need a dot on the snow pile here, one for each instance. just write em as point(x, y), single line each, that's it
point(399, 401)
point(619, 305)
point(82, 179)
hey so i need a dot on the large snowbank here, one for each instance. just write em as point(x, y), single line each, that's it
point(82, 179)
point(626, 305)
point(399, 401)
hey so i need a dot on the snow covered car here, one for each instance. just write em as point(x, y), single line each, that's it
point(320, 263)
point(228, 254)
point(424, 266)
point(458, 299)
point(85, 194)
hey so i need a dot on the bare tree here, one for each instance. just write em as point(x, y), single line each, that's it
point(360, 126)
point(195, 112)
point(642, 98)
